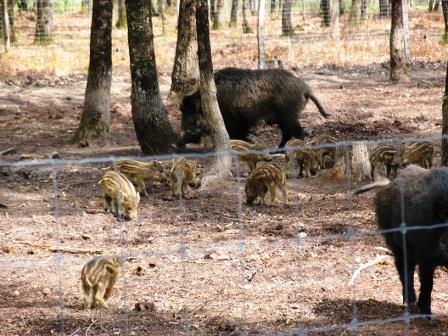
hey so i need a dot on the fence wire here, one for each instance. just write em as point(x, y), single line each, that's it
point(187, 245)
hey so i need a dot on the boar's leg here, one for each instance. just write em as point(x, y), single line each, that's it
point(426, 274)
point(407, 280)
point(290, 129)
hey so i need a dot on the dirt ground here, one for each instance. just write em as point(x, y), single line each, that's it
point(208, 264)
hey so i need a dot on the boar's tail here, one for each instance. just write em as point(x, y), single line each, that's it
point(318, 105)
point(367, 187)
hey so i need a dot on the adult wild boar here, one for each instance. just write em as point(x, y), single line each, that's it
point(425, 204)
point(248, 97)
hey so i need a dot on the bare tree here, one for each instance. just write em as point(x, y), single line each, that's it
point(154, 132)
point(6, 26)
point(185, 75)
point(364, 8)
point(161, 8)
point(209, 102)
point(342, 6)
point(85, 6)
point(384, 8)
point(273, 5)
point(260, 35)
point(433, 5)
point(398, 59)
point(233, 14)
point(44, 22)
point(95, 120)
point(355, 12)
point(246, 28)
point(325, 13)
point(445, 121)
point(217, 16)
point(445, 20)
point(335, 12)
point(287, 29)
point(121, 20)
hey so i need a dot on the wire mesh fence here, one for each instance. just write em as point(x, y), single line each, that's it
point(204, 261)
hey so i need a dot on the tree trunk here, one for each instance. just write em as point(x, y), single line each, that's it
point(398, 62)
point(445, 20)
point(121, 20)
point(6, 25)
point(253, 7)
point(384, 8)
point(341, 7)
point(335, 30)
point(185, 76)
point(22, 5)
point(234, 14)
point(273, 4)
point(260, 35)
point(445, 120)
point(355, 12)
point(11, 17)
point(246, 28)
point(212, 9)
point(325, 12)
point(217, 19)
point(430, 5)
point(44, 22)
point(154, 132)
point(361, 168)
point(287, 29)
point(95, 120)
point(364, 9)
point(85, 6)
point(209, 102)
point(436, 5)
point(161, 7)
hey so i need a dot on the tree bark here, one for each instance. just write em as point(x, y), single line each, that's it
point(234, 14)
point(6, 25)
point(185, 75)
point(342, 7)
point(246, 28)
point(260, 35)
point(95, 120)
point(445, 121)
point(287, 29)
point(361, 168)
point(384, 9)
point(398, 62)
point(217, 19)
point(85, 6)
point(355, 12)
point(445, 20)
point(161, 7)
point(436, 5)
point(364, 9)
point(335, 29)
point(325, 12)
point(154, 132)
point(44, 22)
point(121, 20)
point(209, 102)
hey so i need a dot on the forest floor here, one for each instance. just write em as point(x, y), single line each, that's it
point(208, 264)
